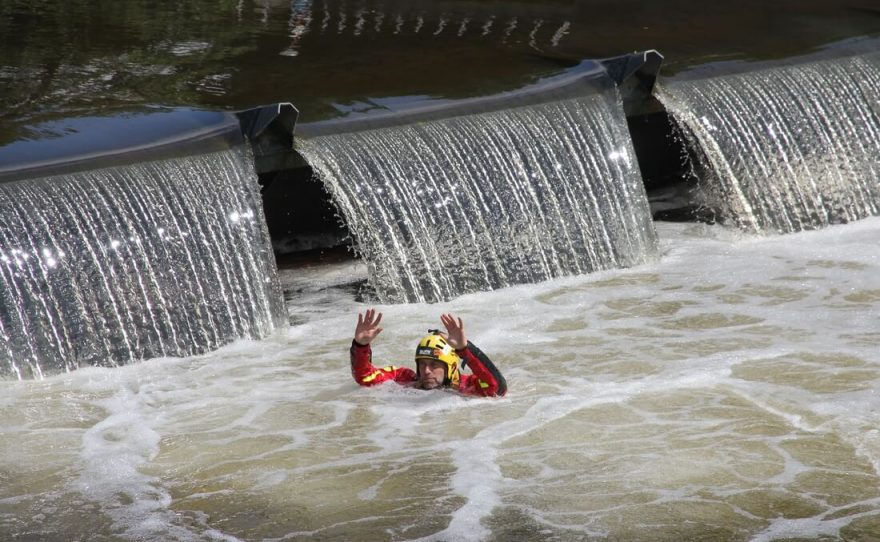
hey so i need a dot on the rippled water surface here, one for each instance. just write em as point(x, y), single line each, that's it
point(332, 57)
point(728, 392)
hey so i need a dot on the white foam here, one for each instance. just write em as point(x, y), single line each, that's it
point(649, 381)
point(112, 452)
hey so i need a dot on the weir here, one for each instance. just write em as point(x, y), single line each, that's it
point(159, 248)
point(162, 258)
point(785, 149)
point(446, 206)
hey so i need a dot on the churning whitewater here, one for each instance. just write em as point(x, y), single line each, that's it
point(728, 392)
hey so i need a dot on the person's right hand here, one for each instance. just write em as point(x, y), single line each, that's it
point(367, 327)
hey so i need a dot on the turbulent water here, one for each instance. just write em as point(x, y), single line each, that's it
point(486, 201)
point(787, 149)
point(166, 258)
point(728, 391)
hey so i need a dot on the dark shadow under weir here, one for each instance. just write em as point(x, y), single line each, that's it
point(785, 149)
point(446, 206)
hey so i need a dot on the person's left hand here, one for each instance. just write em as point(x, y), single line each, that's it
point(455, 331)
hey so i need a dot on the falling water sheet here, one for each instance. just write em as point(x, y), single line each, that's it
point(472, 203)
point(786, 149)
point(165, 258)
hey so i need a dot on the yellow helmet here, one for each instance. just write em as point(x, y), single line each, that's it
point(434, 347)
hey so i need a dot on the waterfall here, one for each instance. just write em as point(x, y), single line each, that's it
point(484, 201)
point(787, 149)
point(164, 258)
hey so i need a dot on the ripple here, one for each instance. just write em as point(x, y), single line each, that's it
point(712, 320)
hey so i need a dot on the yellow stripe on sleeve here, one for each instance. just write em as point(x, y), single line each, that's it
point(372, 376)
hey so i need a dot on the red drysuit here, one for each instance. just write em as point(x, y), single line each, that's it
point(485, 381)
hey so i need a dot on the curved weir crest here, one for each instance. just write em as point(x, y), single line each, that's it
point(786, 149)
point(484, 201)
point(112, 265)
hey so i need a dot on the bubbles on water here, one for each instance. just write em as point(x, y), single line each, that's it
point(371, 18)
point(560, 33)
point(487, 27)
point(602, 432)
point(533, 42)
point(187, 48)
point(216, 84)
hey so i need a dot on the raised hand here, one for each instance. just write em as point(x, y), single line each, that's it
point(367, 327)
point(454, 330)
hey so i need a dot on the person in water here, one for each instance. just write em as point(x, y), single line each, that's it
point(439, 359)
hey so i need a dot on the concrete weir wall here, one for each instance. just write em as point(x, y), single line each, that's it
point(300, 215)
point(298, 211)
point(599, 147)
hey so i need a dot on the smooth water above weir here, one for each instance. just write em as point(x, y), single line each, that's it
point(165, 258)
point(786, 149)
point(62, 57)
point(479, 202)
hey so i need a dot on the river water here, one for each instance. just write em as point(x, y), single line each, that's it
point(63, 58)
point(726, 392)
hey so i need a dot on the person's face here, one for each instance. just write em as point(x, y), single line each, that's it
point(432, 373)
